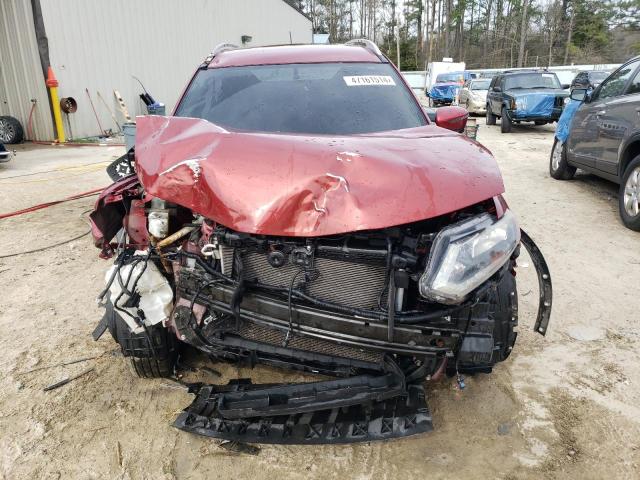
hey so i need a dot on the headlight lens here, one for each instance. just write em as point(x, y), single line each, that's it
point(466, 254)
point(566, 100)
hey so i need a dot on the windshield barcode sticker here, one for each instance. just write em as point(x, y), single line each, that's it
point(362, 80)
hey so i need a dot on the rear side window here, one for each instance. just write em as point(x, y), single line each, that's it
point(328, 98)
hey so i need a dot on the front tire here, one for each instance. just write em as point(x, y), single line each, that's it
point(505, 122)
point(629, 196)
point(152, 354)
point(559, 168)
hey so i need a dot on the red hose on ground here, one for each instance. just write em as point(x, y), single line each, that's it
point(49, 204)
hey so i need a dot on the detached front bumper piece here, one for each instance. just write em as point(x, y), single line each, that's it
point(357, 409)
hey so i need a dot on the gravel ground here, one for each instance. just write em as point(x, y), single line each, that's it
point(564, 406)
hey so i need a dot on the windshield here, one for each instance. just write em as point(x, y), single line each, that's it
point(532, 80)
point(327, 98)
point(598, 76)
point(450, 77)
point(480, 84)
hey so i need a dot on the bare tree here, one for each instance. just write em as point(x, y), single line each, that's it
point(523, 33)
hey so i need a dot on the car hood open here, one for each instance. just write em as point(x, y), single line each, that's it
point(311, 185)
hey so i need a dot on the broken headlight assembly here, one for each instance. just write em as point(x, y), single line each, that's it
point(466, 254)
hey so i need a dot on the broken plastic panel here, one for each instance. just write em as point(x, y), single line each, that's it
point(145, 279)
point(400, 416)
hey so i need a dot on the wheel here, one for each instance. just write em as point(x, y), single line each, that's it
point(629, 197)
point(146, 362)
point(505, 122)
point(558, 166)
point(10, 130)
point(540, 122)
point(491, 118)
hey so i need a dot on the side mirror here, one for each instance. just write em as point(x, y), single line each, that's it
point(497, 89)
point(565, 86)
point(452, 118)
point(579, 94)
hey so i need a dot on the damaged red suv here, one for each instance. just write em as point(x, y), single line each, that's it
point(300, 210)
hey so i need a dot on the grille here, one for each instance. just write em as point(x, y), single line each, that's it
point(273, 336)
point(356, 285)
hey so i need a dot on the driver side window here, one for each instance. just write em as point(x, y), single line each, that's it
point(614, 85)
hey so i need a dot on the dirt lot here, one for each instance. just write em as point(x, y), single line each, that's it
point(564, 406)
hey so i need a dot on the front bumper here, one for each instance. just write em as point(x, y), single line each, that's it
point(477, 106)
point(519, 116)
point(258, 418)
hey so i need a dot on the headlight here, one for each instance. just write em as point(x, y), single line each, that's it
point(464, 255)
point(566, 100)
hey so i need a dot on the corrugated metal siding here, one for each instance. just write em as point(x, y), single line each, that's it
point(100, 44)
point(21, 77)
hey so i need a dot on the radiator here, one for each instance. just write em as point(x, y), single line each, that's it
point(347, 283)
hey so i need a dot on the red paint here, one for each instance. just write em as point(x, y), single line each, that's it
point(293, 54)
point(452, 118)
point(108, 213)
point(135, 223)
point(305, 185)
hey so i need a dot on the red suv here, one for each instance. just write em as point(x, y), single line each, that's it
point(300, 210)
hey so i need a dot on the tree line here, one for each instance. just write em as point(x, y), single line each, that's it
point(485, 33)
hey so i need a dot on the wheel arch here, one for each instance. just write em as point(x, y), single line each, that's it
point(630, 151)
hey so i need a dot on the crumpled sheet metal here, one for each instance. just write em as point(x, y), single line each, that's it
point(305, 185)
point(445, 91)
point(534, 105)
point(565, 120)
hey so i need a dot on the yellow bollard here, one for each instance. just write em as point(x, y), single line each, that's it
point(52, 84)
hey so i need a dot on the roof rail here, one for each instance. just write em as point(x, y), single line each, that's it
point(366, 43)
point(221, 47)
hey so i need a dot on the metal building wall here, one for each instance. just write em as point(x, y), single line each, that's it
point(100, 44)
point(21, 77)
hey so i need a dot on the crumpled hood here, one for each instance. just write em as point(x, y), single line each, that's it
point(309, 185)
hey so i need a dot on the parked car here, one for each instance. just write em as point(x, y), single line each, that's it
point(10, 130)
point(443, 94)
point(473, 95)
point(300, 210)
point(601, 135)
point(525, 96)
point(589, 79)
point(5, 155)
